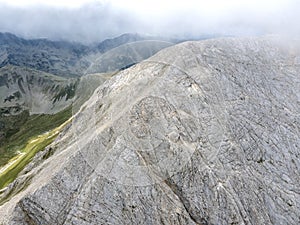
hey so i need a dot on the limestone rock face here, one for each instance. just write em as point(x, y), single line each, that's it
point(201, 133)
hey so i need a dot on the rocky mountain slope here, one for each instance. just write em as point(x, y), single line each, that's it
point(55, 57)
point(29, 88)
point(201, 133)
point(22, 88)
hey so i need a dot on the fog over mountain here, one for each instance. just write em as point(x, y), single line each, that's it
point(94, 20)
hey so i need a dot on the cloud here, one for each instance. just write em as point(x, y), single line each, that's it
point(53, 3)
point(85, 24)
point(94, 20)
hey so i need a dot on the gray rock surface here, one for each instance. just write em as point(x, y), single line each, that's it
point(201, 133)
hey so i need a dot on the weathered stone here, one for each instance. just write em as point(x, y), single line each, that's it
point(201, 133)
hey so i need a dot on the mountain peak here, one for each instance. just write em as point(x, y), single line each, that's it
point(201, 133)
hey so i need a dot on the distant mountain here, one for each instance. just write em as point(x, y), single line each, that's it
point(126, 55)
point(38, 92)
point(57, 57)
point(120, 40)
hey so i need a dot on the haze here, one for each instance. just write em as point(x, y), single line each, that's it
point(94, 20)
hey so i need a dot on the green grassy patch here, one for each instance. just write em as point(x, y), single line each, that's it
point(18, 163)
point(27, 127)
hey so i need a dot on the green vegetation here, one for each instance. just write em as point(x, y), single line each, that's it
point(21, 160)
point(26, 153)
point(24, 127)
point(10, 125)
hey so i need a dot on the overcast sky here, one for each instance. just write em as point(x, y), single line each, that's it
point(95, 20)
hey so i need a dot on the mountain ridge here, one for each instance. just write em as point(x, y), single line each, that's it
point(62, 58)
point(200, 133)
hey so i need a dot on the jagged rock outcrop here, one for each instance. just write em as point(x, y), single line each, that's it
point(201, 133)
